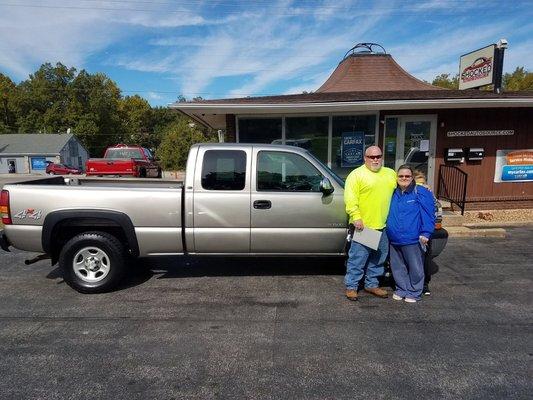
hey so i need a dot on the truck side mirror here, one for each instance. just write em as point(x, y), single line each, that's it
point(326, 187)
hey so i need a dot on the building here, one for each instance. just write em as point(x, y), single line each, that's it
point(28, 153)
point(460, 138)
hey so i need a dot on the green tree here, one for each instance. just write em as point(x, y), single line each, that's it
point(447, 82)
point(520, 79)
point(8, 93)
point(136, 115)
point(42, 100)
point(178, 137)
point(94, 111)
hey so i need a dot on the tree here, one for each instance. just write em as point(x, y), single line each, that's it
point(7, 113)
point(444, 81)
point(42, 100)
point(136, 115)
point(94, 111)
point(520, 79)
point(178, 137)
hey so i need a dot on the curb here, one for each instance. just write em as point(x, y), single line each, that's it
point(496, 224)
point(465, 232)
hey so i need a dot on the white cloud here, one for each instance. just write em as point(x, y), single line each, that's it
point(520, 55)
point(30, 37)
point(154, 96)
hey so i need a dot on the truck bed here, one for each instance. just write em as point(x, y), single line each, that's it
point(153, 206)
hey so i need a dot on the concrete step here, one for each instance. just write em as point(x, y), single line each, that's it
point(446, 205)
point(451, 218)
point(464, 232)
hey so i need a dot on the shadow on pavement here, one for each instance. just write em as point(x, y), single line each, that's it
point(175, 267)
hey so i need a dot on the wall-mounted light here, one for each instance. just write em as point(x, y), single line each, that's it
point(442, 124)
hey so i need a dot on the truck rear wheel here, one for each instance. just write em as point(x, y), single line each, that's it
point(93, 262)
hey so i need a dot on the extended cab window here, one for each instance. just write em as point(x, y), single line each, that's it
point(224, 170)
point(286, 172)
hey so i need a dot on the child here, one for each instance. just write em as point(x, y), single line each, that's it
point(420, 179)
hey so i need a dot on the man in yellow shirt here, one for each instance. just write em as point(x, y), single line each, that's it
point(367, 195)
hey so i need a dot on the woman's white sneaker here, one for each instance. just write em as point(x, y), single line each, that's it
point(409, 300)
point(396, 297)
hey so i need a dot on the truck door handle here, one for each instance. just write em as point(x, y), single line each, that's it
point(262, 204)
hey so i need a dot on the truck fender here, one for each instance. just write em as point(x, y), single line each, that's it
point(118, 218)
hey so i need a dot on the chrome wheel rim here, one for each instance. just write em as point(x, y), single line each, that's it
point(91, 264)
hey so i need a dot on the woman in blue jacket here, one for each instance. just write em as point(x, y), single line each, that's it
point(410, 223)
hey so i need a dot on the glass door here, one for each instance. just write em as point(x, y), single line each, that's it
point(411, 140)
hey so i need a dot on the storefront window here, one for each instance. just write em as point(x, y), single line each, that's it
point(389, 151)
point(259, 130)
point(353, 129)
point(311, 133)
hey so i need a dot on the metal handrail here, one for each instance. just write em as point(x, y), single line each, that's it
point(452, 185)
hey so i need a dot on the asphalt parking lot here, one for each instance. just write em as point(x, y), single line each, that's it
point(271, 329)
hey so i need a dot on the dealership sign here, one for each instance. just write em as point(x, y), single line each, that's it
point(514, 166)
point(508, 132)
point(477, 68)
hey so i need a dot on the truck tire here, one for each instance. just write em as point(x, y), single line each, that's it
point(142, 173)
point(93, 262)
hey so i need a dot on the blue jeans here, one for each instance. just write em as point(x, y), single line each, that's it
point(407, 265)
point(362, 259)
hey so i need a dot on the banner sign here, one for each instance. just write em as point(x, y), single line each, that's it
point(38, 163)
point(514, 166)
point(352, 149)
point(476, 68)
point(509, 132)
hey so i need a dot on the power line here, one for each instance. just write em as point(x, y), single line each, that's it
point(296, 11)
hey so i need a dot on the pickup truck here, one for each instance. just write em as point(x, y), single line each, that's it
point(124, 160)
point(237, 199)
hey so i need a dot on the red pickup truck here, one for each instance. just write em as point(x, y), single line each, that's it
point(124, 160)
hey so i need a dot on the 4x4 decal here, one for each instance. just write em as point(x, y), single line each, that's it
point(29, 213)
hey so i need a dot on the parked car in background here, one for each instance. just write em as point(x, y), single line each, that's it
point(417, 159)
point(124, 160)
point(61, 169)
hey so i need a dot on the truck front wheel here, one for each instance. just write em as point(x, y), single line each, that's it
point(93, 262)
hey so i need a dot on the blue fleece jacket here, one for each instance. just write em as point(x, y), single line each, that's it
point(411, 215)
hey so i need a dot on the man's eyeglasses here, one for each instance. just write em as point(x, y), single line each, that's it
point(374, 157)
point(405, 176)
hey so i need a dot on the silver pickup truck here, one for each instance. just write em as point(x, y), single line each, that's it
point(237, 199)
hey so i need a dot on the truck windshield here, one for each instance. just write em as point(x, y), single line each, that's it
point(337, 178)
point(123, 153)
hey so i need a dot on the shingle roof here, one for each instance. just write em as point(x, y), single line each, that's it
point(377, 72)
point(326, 97)
point(33, 143)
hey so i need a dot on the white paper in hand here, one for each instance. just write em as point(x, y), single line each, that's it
point(368, 237)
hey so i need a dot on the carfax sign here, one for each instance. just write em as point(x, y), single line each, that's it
point(352, 149)
point(476, 68)
point(514, 166)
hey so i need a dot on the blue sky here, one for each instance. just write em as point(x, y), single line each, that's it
point(160, 49)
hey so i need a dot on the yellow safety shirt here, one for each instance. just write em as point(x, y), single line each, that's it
point(368, 194)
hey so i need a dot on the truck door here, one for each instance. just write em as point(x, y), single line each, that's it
point(221, 200)
point(289, 213)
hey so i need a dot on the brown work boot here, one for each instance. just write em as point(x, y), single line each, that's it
point(351, 294)
point(377, 292)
